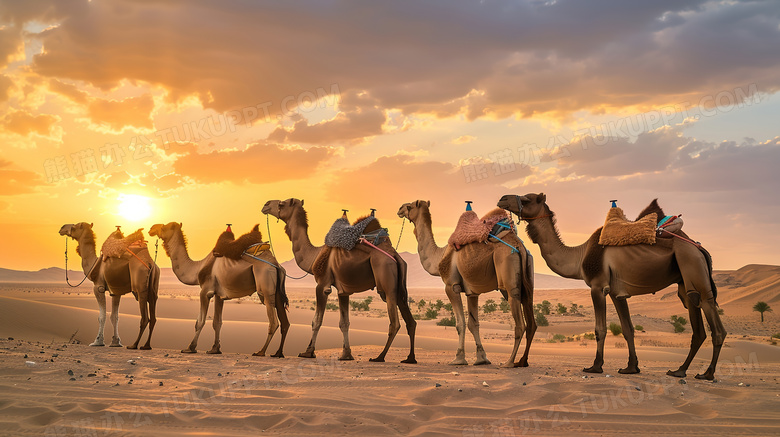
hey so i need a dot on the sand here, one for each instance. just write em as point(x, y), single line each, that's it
point(52, 383)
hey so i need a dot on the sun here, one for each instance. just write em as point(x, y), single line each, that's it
point(133, 207)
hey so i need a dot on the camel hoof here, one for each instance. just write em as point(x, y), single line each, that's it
point(349, 358)
point(482, 362)
point(259, 354)
point(629, 370)
point(214, 352)
point(593, 369)
point(146, 348)
point(189, 351)
point(679, 373)
point(307, 355)
point(521, 363)
point(277, 355)
point(705, 376)
point(132, 346)
point(97, 344)
point(459, 362)
point(507, 365)
point(377, 360)
point(410, 360)
point(115, 345)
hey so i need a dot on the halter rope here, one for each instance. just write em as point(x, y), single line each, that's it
point(403, 221)
point(270, 243)
point(66, 267)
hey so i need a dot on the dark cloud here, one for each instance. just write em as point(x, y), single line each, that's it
point(440, 57)
point(5, 87)
point(260, 163)
point(68, 90)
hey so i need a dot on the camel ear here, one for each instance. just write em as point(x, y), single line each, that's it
point(180, 224)
point(301, 202)
point(541, 198)
point(429, 203)
point(417, 203)
point(90, 225)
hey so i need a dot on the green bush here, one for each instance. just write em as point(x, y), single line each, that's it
point(447, 321)
point(639, 328)
point(558, 338)
point(503, 305)
point(679, 323)
point(439, 305)
point(361, 305)
point(776, 335)
point(489, 306)
point(541, 320)
point(615, 328)
point(448, 307)
point(589, 336)
point(431, 314)
point(331, 306)
point(545, 307)
point(561, 309)
point(421, 303)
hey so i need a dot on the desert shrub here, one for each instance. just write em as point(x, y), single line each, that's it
point(679, 323)
point(448, 307)
point(720, 311)
point(589, 336)
point(574, 308)
point(421, 303)
point(503, 305)
point(431, 314)
point(447, 321)
point(545, 307)
point(439, 304)
point(639, 328)
point(561, 309)
point(541, 320)
point(558, 338)
point(776, 335)
point(615, 328)
point(489, 306)
point(331, 306)
point(361, 305)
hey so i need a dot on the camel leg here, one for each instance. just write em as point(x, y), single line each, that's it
point(624, 315)
point(395, 323)
point(217, 324)
point(411, 328)
point(284, 322)
point(100, 296)
point(600, 310)
point(517, 315)
point(346, 351)
point(697, 339)
point(316, 323)
point(718, 336)
point(144, 309)
point(152, 321)
point(473, 303)
point(115, 341)
point(453, 294)
point(205, 298)
point(527, 300)
point(266, 287)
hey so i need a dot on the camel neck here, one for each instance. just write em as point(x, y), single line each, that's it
point(86, 249)
point(430, 254)
point(564, 260)
point(304, 252)
point(184, 267)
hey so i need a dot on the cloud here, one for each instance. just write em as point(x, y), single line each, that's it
point(10, 45)
point(463, 139)
point(5, 87)
point(345, 127)
point(118, 114)
point(477, 58)
point(23, 123)
point(70, 91)
point(14, 180)
point(260, 163)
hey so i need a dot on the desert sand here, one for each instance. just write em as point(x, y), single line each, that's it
point(52, 383)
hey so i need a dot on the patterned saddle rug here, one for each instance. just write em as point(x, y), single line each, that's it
point(346, 236)
point(471, 229)
point(619, 231)
point(117, 245)
point(231, 247)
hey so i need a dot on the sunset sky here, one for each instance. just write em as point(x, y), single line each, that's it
point(140, 112)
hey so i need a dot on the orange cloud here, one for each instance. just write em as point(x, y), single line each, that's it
point(23, 123)
point(130, 112)
point(69, 91)
point(260, 164)
point(16, 181)
point(5, 86)
point(345, 127)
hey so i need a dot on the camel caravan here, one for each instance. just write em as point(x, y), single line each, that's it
point(621, 259)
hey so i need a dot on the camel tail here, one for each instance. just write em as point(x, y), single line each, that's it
point(708, 257)
point(281, 289)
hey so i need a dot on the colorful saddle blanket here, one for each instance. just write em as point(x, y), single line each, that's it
point(471, 229)
point(344, 235)
point(619, 231)
point(117, 245)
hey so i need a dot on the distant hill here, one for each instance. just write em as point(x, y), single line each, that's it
point(57, 275)
point(749, 284)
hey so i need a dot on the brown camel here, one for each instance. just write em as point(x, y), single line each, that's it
point(629, 270)
point(134, 273)
point(224, 278)
point(350, 271)
point(476, 269)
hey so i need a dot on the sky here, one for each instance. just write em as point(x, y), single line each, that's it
point(139, 112)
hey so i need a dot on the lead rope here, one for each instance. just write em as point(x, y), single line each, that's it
point(270, 243)
point(400, 234)
point(66, 267)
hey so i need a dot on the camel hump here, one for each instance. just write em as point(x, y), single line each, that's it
point(231, 247)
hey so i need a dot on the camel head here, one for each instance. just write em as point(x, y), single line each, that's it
point(530, 205)
point(76, 231)
point(282, 209)
point(165, 232)
point(414, 210)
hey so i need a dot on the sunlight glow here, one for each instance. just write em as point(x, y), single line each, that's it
point(134, 207)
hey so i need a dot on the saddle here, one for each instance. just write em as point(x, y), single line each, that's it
point(117, 245)
point(619, 231)
point(346, 236)
point(231, 247)
point(471, 229)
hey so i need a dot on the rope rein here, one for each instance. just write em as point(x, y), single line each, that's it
point(403, 221)
point(270, 243)
point(66, 267)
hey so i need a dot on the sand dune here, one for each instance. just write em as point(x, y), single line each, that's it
point(164, 392)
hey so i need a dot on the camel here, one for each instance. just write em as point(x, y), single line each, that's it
point(128, 274)
point(350, 271)
point(224, 278)
point(631, 270)
point(477, 269)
